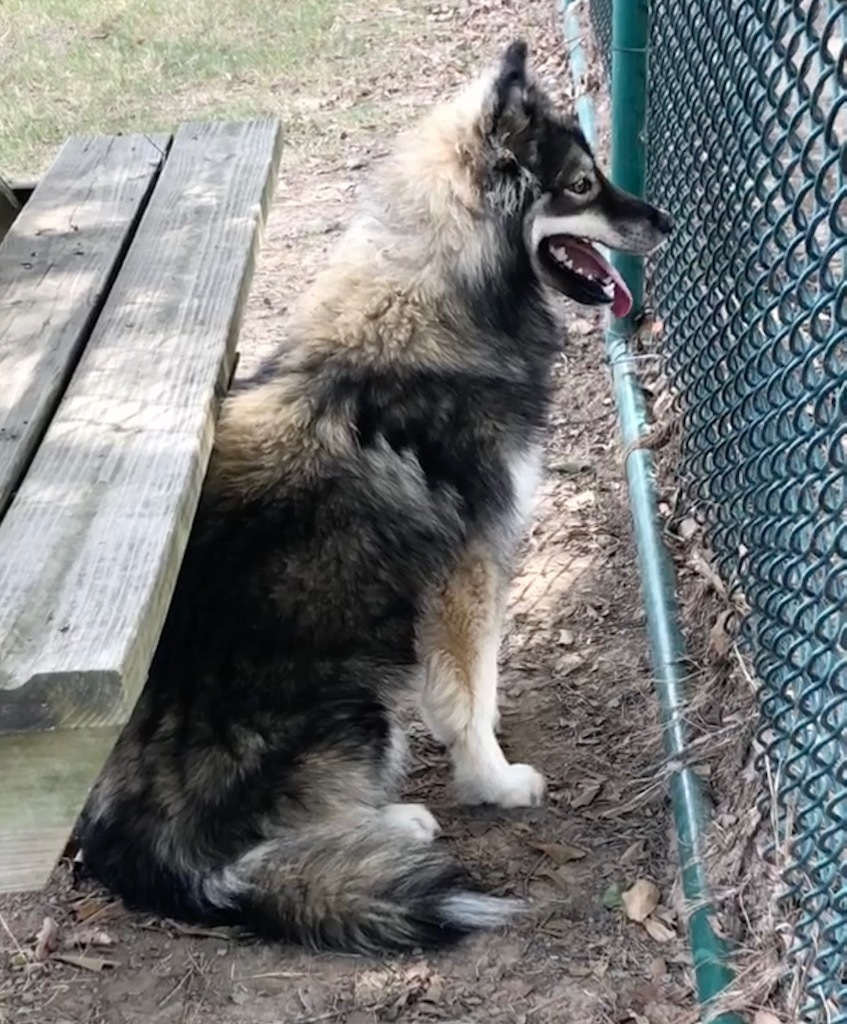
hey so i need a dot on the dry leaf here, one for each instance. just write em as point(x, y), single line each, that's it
point(658, 968)
point(634, 852)
point(47, 940)
point(612, 897)
point(89, 937)
point(568, 662)
point(580, 501)
point(765, 1017)
point(663, 1013)
point(586, 794)
point(580, 970)
point(561, 876)
point(559, 853)
point(579, 325)
point(665, 914)
point(658, 931)
point(720, 637)
point(701, 564)
point(85, 963)
point(88, 908)
point(687, 528)
point(435, 990)
point(640, 900)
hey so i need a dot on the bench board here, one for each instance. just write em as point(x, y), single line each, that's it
point(56, 264)
point(91, 545)
point(46, 779)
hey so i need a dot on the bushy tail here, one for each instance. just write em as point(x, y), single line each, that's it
point(356, 891)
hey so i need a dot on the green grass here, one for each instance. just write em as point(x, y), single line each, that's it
point(70, 66)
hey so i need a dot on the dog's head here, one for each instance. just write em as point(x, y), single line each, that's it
point(571, 205)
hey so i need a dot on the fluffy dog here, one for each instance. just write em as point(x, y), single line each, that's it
point(353, 546)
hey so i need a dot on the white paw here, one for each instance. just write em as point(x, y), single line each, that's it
point(413, 819)
point(513, 785)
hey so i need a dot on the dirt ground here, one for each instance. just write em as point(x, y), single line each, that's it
point(577, 698)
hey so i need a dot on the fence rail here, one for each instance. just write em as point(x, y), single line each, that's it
point(747, 146)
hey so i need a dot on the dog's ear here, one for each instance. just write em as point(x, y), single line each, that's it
point(512, 93)
point(513, 69)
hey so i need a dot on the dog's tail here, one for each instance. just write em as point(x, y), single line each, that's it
point(355, 890)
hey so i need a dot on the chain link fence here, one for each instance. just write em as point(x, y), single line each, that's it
point(747, 146)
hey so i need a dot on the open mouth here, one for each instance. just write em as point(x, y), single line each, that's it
point(584, 274)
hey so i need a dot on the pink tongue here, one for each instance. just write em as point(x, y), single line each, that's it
point(587, 260)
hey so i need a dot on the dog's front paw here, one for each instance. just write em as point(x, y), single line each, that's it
point(513, 785)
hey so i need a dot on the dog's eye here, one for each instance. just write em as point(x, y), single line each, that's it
point(580, 186)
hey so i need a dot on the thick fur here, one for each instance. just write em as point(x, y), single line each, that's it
point(352, 549)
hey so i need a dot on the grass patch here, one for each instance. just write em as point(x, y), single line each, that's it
point(69, 66)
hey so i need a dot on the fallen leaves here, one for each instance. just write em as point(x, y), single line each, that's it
point(579, 326)
point(570, 466)
point(688, 528)
point(566, 638)
point(597, 969)
point(393, 992)
point(701, 563)
point(49, 944)
point(721, 634)
point(640, 903)
point(47, 939)
point(640, 900)
point(586, 794)
point(634, 852)
point(612, 897)
point(658, 968)
point(84, 937)
point(559, 853)
point(90, 907)
point(658, 931)
point(95, 964)
point(578, 502)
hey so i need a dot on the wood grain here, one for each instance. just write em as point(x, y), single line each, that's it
point(46, 779)
point(91, 545)
point(56, 264)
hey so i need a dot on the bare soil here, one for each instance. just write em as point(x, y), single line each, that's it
point(577, 698)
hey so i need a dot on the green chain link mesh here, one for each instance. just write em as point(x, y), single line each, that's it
point(747, 147)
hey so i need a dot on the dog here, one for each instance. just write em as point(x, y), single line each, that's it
point(353, 544)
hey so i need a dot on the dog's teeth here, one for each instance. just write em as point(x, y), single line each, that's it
point(562, 256)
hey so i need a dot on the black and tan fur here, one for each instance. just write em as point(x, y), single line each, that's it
point(352, 549)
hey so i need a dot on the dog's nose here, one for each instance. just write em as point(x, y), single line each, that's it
point(662, 220)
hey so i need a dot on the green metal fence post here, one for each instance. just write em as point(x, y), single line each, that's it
point(630, 46)
point(630, 42)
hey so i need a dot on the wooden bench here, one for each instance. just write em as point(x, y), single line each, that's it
point(122, 284)
point(10, 205)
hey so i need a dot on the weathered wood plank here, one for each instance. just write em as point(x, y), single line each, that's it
point(92, 543)
point(46, 779)
point(56, 264)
